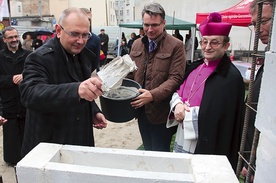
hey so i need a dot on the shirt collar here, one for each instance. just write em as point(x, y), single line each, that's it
point(212, 63)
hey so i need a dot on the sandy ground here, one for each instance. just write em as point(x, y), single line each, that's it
point(116, 135)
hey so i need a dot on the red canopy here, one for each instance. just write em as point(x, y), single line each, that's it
point(238, 15)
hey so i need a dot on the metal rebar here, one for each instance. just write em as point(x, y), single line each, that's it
point(250, 91)
point(251, 163)
point(252, 156)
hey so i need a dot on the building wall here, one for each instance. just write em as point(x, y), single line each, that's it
point(98, 10)
point(36, 7)
point(97, 7)
point(240, 37)
point(56, 7)
point(104, 13)
point(112, 18)
point(16, 8)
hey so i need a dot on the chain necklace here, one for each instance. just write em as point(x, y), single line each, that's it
point(191, 94)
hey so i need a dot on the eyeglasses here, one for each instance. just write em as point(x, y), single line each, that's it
point(262, 22)
point(152, 25)
point(213, 44)
point(12, 37)
point(76, 35)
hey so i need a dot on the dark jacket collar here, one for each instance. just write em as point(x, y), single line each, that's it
point(145, 39)
point(6, 49)
point(86, 57)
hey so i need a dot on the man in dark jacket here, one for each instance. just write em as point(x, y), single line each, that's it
point(94, 42)
point(11, 68)
point(265, 25)
point(104, 43)
point(58, 89)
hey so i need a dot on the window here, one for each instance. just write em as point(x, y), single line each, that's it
point(121, 3)
point(19, 9)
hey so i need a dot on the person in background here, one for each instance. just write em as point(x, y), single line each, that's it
point(47, 38)
point(188, 48)
point(93, 43)
point(58, 90)
point(2, 43)
point(104, 44)
point(160, 72)
point(141, 33)
point(12, 60)
point(265, 25)
point(210, 97)
point(178, 35)
point(123, 45)
point(194, 38)
point(37, 42)
point(27, 42)
point(131, 40)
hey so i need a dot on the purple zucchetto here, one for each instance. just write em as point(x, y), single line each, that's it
point(214, 26)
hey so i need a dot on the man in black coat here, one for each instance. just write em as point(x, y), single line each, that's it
point(11, 67)
point(265, 24)
point(93, 43)
point(104, 42)
point(58, 89)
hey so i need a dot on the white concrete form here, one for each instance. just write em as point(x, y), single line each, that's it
point(50, 163)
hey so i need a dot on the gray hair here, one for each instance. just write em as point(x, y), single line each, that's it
point(68, 11)
point(154, 9)
point(86, 10)
point(8, 29)
point(254, 5)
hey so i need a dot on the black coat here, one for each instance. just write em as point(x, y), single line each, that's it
point(252, 114)
point(37, 43)
point(104, 38)
point(11, 64)
point(1, 108)
point(221, 111)
point(94, 45)
point(49, 90)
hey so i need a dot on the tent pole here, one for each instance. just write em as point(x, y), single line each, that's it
point(9, 9)
point(193, 42)
point(119, 41)
point(173, 21)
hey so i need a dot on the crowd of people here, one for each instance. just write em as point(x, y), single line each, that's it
point(33, 40)
point(48, 95)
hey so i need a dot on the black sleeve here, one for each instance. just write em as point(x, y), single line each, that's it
point(1, 113)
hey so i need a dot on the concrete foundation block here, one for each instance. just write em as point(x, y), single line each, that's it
point(50, 163)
